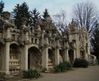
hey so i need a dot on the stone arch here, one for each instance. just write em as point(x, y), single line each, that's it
point(51, 57)
point(33, 45)
point(34, 58)
point(15, 58)
point(14, 42)
point(71, 55)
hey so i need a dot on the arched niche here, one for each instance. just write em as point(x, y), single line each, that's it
point(34, 58)
point(15, 59)
point(51, 58)
point(71, 55)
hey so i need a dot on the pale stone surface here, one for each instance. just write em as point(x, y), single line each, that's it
point(7, 57)
point(80, 74)
point(57, 61)
point(45, 58)
point(43, 39)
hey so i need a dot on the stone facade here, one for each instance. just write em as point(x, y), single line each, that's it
point(42, 47)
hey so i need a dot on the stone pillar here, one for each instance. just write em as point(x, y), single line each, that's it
point(77, 47)
point(57, 56)
point(75, 55)
point(77, 50)
point(88, 51)
point(7, 58)
point(66, 55)
point(45, 58)
point(24, 58)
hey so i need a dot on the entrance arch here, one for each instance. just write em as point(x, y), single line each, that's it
point(71, 55)
point(34, 58)
point(15, 57)
point(51, 58)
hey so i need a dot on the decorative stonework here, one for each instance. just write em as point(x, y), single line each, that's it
point(45, 37)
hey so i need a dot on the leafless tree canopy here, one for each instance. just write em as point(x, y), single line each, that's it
point(85, 15)
point(60, 21)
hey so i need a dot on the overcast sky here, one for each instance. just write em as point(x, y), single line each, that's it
point(54, 6)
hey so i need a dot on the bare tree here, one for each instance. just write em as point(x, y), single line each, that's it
point(86, 15)
point(60, 21)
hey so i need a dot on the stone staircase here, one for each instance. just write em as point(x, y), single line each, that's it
point(50, 64)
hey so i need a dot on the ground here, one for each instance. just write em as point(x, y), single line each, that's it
point(79, 74)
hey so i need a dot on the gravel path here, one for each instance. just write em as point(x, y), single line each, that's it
point(80, 74)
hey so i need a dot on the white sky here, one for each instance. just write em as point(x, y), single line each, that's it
point(53, 6)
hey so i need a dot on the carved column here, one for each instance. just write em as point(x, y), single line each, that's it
point(45, 58)
point(57, 53)
point(24, 58)
point(7, 57)
point(57, 56)
point(45, 53)
point(88, 48)
point(66, 55)
point(77, 47)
